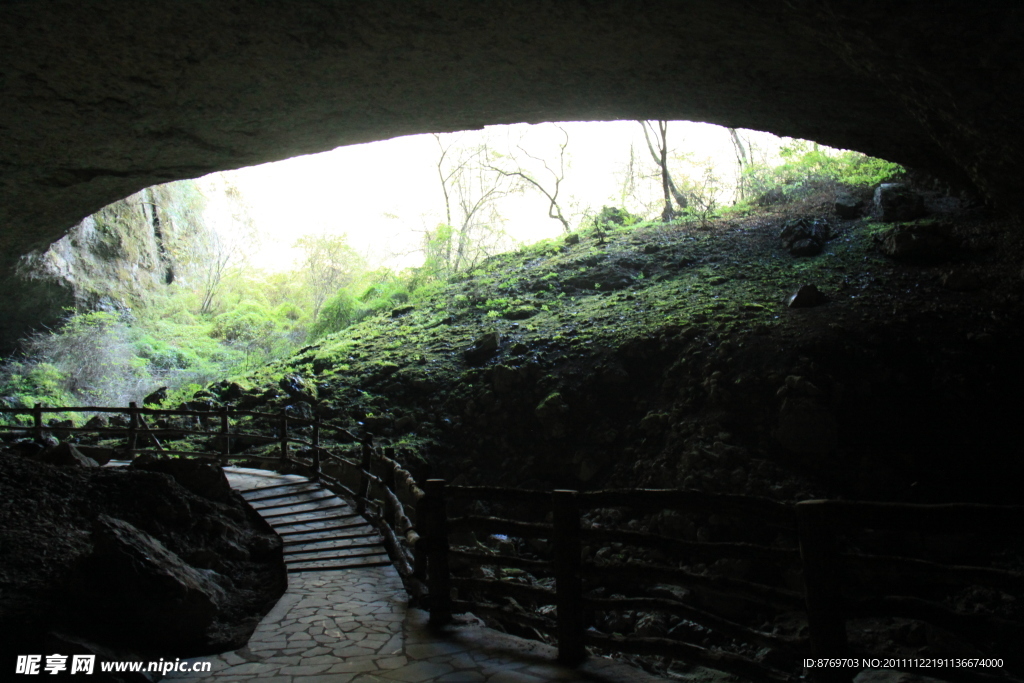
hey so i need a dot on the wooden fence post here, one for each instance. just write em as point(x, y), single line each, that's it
point(568, 579)
point(284, 437)
point(37, 421)
point(364, 477)
point(225, 430)
point(825, 618)
point(133, 429)
point(316, 450)
point(439, 581)
point(388, 478)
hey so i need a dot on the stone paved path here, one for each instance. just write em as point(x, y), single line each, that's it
point(355, 626)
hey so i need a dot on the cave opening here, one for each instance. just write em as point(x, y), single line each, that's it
point(857, 341)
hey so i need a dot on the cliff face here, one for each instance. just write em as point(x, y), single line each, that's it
point(111, 260)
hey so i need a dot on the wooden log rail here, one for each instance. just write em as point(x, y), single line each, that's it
point(815, 553)
point(827, 571)
point(415, 524)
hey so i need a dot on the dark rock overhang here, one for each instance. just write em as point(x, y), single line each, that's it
point(103, 97)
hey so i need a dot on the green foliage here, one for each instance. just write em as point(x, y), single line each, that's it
point(807, 165)
point(340, 311)
point(382, 290)
point(612, 217)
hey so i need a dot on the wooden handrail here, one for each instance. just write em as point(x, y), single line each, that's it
point(652, 500)
point(415, 525)
point(694, 549)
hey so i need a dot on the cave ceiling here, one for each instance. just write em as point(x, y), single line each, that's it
point(101, 98)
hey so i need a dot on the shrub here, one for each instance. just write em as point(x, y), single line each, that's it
point(808, 166)
point(340, 311)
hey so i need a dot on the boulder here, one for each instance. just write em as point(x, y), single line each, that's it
point(806, 297)
point(805, 236)
point(66, 455)
point(847, 206)
point(202, 478)
point(551, 412)
point(97, 422)
point(897, 202)
point(298, 388)
point(156, 398)
point(483, 348)
point(228, 391)
point(144, 591)
point(921, 242)
point(806, 427)
point(962, 280)
point(100, 454)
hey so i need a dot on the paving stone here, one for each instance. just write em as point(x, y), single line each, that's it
point(356, 626)
point(305, 669)
point(514, 677)
point(415, 672)
point(328, 678)
point(462, 677)
point(427, 650)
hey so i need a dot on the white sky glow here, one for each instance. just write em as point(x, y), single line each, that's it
point(383, 195)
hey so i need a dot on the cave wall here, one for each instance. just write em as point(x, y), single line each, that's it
point(112, 260)
point(101, 98)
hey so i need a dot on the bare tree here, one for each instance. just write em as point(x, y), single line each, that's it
point(510, 166)
point(223, 249)
point(471, 191)
point(660, 156)
point(743, 161)
point(329, 264)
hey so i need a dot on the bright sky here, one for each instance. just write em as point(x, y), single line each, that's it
point(385, 194)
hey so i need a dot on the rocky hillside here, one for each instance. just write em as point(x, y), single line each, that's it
point(109, 261)
point(676, 355)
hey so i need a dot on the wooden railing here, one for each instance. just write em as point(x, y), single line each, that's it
point(815, 540)
point(807, 540)
point(384, 492)
point(842, 583)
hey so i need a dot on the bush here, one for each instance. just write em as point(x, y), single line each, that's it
point(340, 311)
point(808, 166)
point(94, 356)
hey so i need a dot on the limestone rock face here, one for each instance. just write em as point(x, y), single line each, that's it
point(100, 98)
point(146, 591)
point(109, 261)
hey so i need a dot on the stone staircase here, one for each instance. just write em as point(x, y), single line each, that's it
point(321, 531)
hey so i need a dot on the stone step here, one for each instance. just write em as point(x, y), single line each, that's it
point(336, 506)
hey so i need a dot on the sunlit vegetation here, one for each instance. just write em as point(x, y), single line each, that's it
point(221, 318)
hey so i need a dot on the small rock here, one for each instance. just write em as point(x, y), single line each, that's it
point(806, 297)
point(897, 202)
